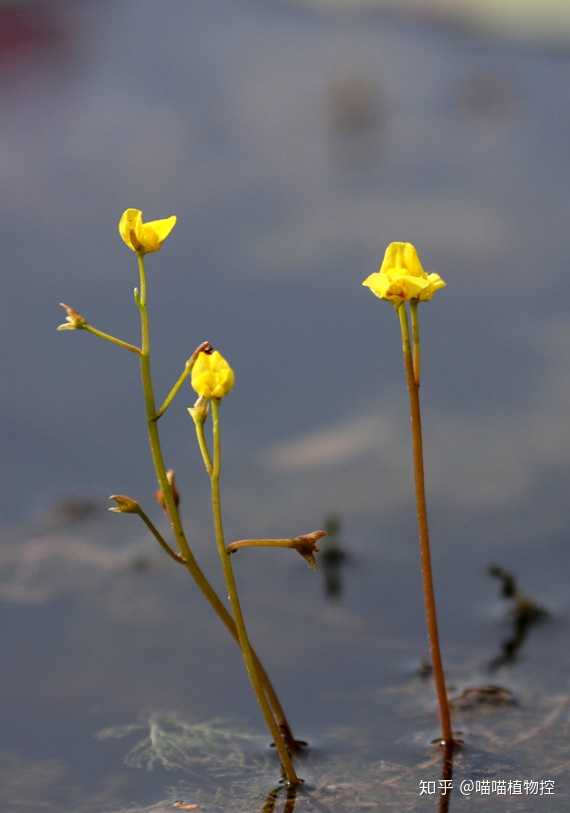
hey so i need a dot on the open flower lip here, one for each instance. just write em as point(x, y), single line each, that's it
point(401, 276)
point(141, 237)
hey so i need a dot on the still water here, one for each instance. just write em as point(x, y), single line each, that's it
point(293, 144)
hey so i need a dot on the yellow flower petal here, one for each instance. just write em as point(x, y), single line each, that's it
point(141, 237)
point(402, 256)
point(129, 228)
point(160, 229)
point(435, 283)
point(374, 282)
point(406, 287)
point(212, 376)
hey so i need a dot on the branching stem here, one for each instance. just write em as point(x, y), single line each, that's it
point(159, 538)
point(181, 379)
point(113, 339)
point(174, 516)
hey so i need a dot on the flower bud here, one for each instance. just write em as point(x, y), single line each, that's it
point(125, 505)
point(212, 376)
point(199, 412)
point(159, 495)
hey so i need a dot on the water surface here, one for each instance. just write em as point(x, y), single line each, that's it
point(292, 145)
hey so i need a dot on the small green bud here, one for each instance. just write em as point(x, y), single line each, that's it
point(159, 496)
point(199, 412)
point(125, 505)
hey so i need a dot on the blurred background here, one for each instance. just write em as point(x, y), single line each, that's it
point(293, 140)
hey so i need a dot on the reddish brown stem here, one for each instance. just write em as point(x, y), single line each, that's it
point(423, 530)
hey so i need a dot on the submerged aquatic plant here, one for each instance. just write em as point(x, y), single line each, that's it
point(214, 748)
point(401, 279)
point(213, 379)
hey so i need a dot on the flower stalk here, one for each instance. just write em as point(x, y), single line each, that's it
point(126, 505)
point(305, 545)
point(416, 349)
point(231, 585)
point(400, 279)
point(205, 347)
point(113, 339)
point(76, 321)
point(203, 446)
point(412, 381)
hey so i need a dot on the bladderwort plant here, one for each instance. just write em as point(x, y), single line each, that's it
point(401, 280)
point(212, 378)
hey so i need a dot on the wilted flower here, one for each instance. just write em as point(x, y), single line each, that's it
point(73, 320)
point(401, 276)
point(306, 545)
point(212, 376)
point(143, 238)
point(125, 505)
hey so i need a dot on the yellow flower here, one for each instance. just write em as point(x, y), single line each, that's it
point(212, 376)
point(144, 238)
point(401, 277)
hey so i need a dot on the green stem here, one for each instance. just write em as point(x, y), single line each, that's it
point(284, 756)
point(416, 354)
point(181, 379)
point(113, 339)
point(174, 516)
point(421, 506)
point(261, 543)
point(203, 445)
point(159, 538)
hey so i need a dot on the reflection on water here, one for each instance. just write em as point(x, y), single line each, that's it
point(333, 559)
point(289, 795)
point(525, 613)
point(446, 782)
